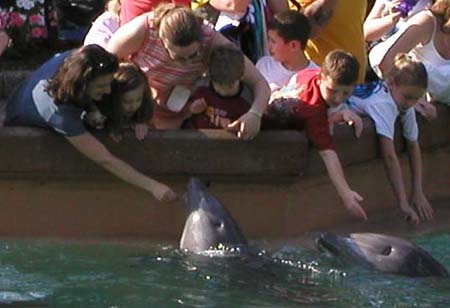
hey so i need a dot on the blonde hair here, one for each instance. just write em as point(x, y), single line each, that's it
point(409, 72)
point(177, 24)
point(441, 9)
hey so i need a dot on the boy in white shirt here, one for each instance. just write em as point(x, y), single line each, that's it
point(288, 33)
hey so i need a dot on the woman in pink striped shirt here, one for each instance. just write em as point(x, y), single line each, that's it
point(171, 45)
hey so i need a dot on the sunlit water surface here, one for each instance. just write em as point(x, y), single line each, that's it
point(60, 274)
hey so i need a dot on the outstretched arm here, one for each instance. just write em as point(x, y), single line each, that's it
point(395, 177)
point(93, 149)
point(418, 200)
point(350, 198)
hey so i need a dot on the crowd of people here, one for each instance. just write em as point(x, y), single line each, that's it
point(243, 65)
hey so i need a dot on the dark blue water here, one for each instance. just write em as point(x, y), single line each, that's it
point(60, 274)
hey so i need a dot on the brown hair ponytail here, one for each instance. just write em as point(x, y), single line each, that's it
point(177, 24)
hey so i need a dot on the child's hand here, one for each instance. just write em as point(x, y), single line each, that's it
point(95, 119)
point(115, 137)
point(198, 106)
point(410, 214)
point(348, 117)
point(140, 130)
point(426, 109)
point(352, 118)
point(352, 202)
point(423, 207)
point(163, 192)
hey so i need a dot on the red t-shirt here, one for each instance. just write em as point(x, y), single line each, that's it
point(308, 111)
point(221, 110)
point(133, 8)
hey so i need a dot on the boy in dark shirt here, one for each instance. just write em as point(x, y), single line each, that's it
point(223, 101)
point(304, 104)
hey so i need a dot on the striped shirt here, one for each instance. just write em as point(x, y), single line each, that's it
point(162, 71)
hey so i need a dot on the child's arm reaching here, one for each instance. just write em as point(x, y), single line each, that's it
point(350, 198)
point(418, 199)
point(395, 177)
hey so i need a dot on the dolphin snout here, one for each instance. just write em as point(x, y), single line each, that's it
point(327, 242)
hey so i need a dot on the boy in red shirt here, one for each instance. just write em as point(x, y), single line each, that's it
point(304, 104)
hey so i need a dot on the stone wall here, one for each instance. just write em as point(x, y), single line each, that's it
point(275, 185)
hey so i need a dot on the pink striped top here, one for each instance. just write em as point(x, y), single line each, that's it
point(164, 73)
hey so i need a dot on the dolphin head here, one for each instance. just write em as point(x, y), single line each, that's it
point(208, 226)
point(383, 252)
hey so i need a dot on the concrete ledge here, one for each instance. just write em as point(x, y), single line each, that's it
point(39, 153)
point(36, 153)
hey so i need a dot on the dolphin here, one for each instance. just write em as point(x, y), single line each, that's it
point(209, 226)
point(383, 252)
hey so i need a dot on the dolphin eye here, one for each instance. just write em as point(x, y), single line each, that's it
point(387, 251)
point(218, 224)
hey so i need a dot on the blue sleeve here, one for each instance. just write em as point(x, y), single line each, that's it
point(67, 121)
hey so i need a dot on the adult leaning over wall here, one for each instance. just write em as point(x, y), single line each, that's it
point(172, 45)
point(426, 38)
point(58, 92)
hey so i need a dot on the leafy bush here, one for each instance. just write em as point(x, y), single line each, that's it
point(31, 25)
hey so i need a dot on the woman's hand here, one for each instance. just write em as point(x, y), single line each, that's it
point(163, 192)
point(247, 126)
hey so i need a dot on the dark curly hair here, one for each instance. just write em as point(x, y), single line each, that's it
point(70, 83)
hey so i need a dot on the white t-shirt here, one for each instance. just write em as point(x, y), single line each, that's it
point(102, 29)
point(375, 101)
point(275, 73)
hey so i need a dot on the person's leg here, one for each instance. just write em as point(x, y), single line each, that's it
point(4, 41)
